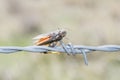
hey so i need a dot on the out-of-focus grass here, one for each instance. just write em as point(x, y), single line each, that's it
point(90, 22)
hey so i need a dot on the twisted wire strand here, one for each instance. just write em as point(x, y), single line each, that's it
point(68, 49)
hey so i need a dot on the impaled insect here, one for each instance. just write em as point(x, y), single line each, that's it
point(51, 39)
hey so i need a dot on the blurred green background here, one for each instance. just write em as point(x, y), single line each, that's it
point(88, 22)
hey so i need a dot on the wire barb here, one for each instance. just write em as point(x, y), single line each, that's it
point(68, 49)
point(85, 57)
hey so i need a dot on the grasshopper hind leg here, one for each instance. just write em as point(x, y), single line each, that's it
point(53, 44)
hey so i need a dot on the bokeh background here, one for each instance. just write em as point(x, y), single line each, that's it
point(88, 22)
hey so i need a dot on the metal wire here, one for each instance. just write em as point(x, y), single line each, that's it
point(69, 49)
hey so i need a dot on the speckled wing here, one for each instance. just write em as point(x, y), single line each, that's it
point(40, 39)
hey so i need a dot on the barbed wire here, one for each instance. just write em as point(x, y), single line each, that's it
point(68, 49)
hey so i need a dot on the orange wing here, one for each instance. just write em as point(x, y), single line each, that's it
point(42, 40)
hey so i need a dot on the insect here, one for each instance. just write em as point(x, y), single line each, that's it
point(51, 39)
